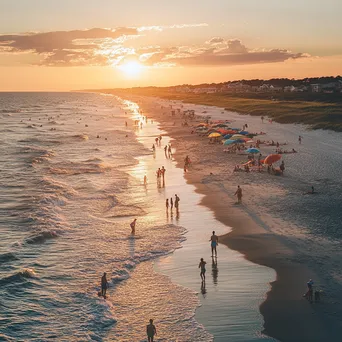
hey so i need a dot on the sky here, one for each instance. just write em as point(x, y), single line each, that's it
point(72, 44)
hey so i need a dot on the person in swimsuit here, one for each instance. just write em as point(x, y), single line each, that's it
point(151, 331)
point(104, 285)
point(202, 267)
point(171, 203)
point(214, 243)
point(167, 204)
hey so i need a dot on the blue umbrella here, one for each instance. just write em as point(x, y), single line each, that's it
point(227, 136)
point(253, 150)
point(235, 129)
point(229, 142)
point(244, 133)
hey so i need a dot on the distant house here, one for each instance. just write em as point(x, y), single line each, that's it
point(210, 90)
point(289, 89)
point(316, 88)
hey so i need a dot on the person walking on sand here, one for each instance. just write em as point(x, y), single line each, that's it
point(145, 180)
point(300, 139)
point(162, 171)
point(170, 151)
point(133, 225)
point(151, 331)
point(165, 151)
point(177, 199)
point(104, 285)
point(202, 267)
point(153, 148)
point(171, 203)
point(282, 167)
point(214, 244)
point(238, 193)
point(167, 204)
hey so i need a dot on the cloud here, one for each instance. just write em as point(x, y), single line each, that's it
point(100, 47)
point(221, 52)
point(78, 47)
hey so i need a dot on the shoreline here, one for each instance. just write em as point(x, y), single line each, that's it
point(287, 316)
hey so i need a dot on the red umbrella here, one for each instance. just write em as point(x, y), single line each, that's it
point(223, 131)
point(272, 158)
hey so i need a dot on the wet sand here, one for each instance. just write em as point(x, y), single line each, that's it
point(288, 317)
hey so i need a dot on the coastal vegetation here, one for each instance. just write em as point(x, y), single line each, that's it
point(318, 111)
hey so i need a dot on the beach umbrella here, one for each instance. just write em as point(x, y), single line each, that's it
point(222, 131)
point(214, 135)
point(253, 150)
point(244, 133)
point(272, 158)
point(229, 142)
point(235, 129)
point(238, 136)
point(227, 136)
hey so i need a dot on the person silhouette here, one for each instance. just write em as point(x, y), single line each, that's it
point(151, 331)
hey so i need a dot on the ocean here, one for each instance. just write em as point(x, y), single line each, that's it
point(67, 199)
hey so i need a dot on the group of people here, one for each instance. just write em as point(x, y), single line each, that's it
point(168, 151)
point(170, 203)
point(214, 243)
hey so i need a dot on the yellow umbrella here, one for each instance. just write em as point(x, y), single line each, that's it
point(237, 136)
point(214, 135)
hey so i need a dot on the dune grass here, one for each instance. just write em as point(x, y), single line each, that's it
point(316, 114)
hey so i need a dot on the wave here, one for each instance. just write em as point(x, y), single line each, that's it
point(7, 257)
point(79, 168)
point(59, 187)
point(81, 136)
point(21, 276)
point(41, 237)
point(170, 243)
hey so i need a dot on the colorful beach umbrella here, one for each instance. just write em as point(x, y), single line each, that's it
point(227, 136)
point(237, 136)
point(253, 150)
point(244, 133)
point(214, 135)
point(222, 131)
point(272, 158)
point(229, 142)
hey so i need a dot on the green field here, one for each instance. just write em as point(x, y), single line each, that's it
point(324, 113)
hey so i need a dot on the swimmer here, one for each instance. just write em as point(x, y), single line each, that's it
point(104, 285)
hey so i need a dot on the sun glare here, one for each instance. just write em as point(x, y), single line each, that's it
point(131, 69)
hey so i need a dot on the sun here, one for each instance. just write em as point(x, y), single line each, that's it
point(131, 69)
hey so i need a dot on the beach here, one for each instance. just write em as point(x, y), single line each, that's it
point(259, 236)
point(73, 180)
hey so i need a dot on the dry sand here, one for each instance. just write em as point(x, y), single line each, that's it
point(288, 317)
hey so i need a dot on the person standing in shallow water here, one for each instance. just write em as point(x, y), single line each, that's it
point(133, 225)
point(238, 193)
point(177, 199)
point(171, 203)
point(167, 204)
point(104, 285)
point(151, 331)
point(214, 243)
point(202, 267)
